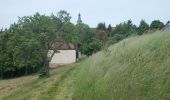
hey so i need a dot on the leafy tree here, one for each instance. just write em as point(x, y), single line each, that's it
point(84, 33)
point(3, 55)
point(85, 37)
point(27, 53)
point(87, 40)
point(126, 29)
point(92, 47)
point(101, 26)
point(116, 38)
point(64, 16)
point(101, 32)
point(132, 29)
point(109, 29)
point(101, 35)
point(122, 31)
point(30, 39)
point(45, 30)
point(143, 27)
point(59, 27)
point(156, 24)
point(68, 34)
point(18, 51)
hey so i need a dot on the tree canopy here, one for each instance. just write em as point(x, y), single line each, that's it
point(143, 27)
point(26, 43)
point(157, 24)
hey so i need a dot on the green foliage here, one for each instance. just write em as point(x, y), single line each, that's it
point(116, 38)
point(122, 31)
point(26, 43)
point(102, 32)
point(101, 26)
point(109, 29)
point(91, 48)
point(68, 33)
point(17, 53)
point(64, 16)
point(101, 35)
point(84, 33)
point(88, 45)
point(156, 24)
point(143, 27)
point(126, 29)
point(27, 53)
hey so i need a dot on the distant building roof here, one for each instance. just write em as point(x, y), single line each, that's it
point(64, 46)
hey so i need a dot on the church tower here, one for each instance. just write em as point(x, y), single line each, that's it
point(79, 21)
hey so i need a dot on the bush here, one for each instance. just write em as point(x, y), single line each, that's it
point(116, 38)
point(91, 47)
point(156, 24)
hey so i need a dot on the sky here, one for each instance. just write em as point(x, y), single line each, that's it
point(92, 11)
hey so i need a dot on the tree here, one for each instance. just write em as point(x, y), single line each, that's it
point(45, 30)
point(27, 53)
point(101, 32)
point(132, 29)
point(156, 24)
point(101, 35)
point(64, 16)
point(125, 28)
point(101, 26)
point(92, 47)
point(49, 38)
point(143, 27)
point(83, 33)
point(3, 40)
point(28, 41)
point(85, 37)
point(68, 34)
point(122, 31)
point(109, 29)
point(116, 38)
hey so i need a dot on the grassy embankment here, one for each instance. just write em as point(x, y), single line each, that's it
point(137, 68)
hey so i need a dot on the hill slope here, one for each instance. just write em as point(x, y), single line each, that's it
point(137, 68)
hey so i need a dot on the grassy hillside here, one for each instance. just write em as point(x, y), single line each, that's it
point(137, 68)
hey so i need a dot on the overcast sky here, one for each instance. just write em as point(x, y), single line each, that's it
point(93, 11)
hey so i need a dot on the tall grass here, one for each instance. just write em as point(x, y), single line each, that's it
point(138, 68)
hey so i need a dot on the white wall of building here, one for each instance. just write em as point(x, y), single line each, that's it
point(63, 57)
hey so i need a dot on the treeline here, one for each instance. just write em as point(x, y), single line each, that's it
point(103, 35)
point(126, 29)
point(24, 45)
